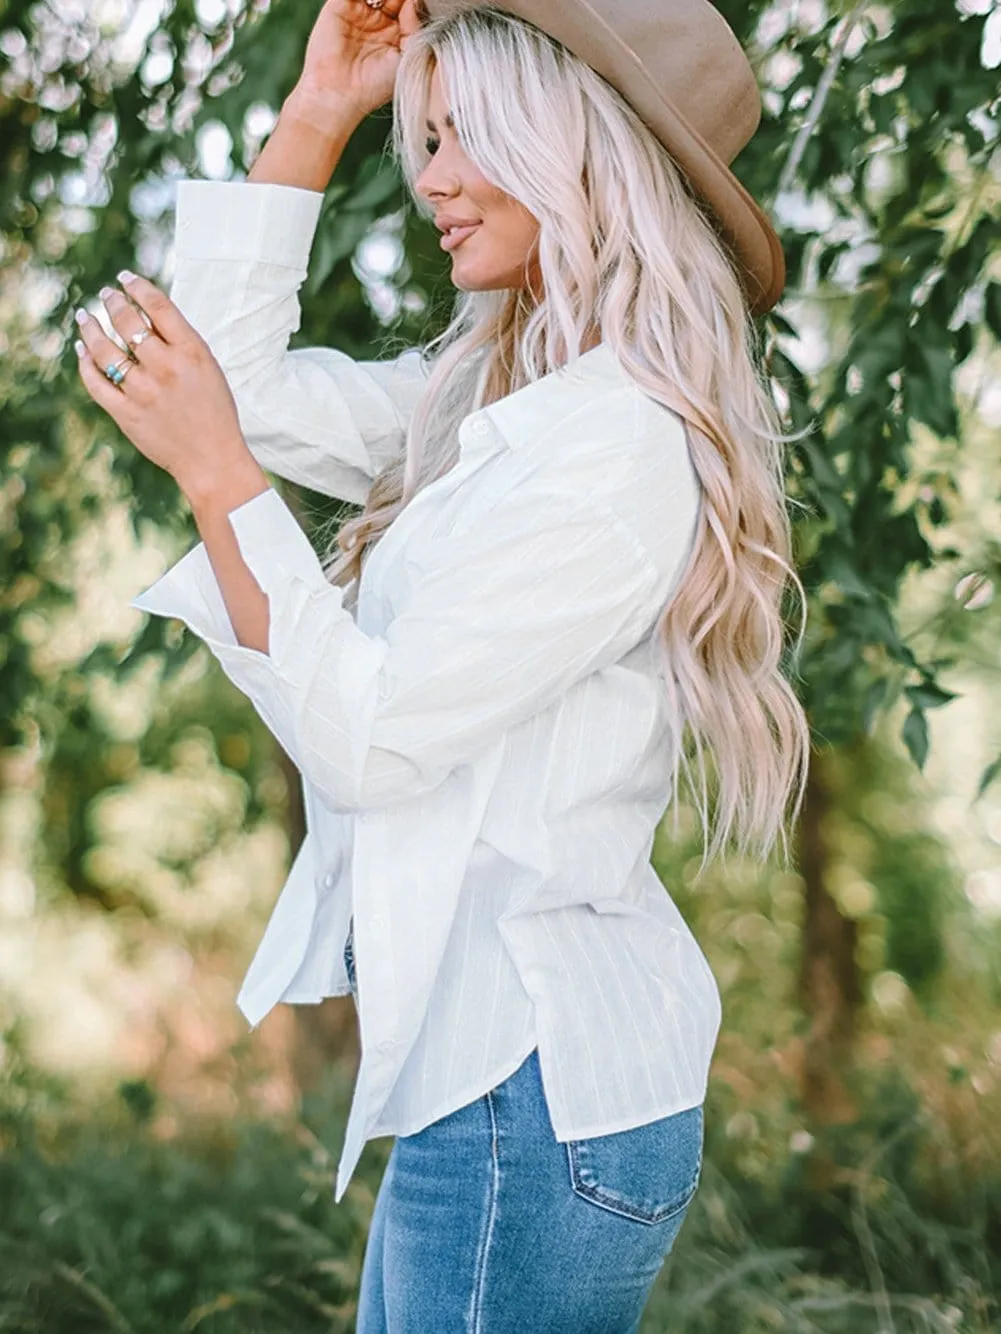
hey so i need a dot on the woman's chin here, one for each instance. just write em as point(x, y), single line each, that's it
point(468, 279)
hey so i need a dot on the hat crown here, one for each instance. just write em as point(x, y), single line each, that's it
point(690, 52)
point(684, 47)
point(680, 67)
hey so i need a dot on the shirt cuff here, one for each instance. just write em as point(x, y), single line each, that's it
point(275, 549)
point(308, 622)
point(274, 545)
point(189, 592)
point(246, 221)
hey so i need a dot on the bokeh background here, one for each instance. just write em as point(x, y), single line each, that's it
point(162, 1169)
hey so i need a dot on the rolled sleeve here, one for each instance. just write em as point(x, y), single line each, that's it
point(245, 222)
point(313, 415)
point(503, 620)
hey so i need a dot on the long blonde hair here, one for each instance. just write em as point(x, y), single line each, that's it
point(622, 247)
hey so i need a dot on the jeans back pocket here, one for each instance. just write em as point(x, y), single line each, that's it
point(649, 1173)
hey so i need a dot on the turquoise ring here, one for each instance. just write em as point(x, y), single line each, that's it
point(116, 371)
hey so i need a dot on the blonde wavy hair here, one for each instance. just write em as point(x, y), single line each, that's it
point(623, 248)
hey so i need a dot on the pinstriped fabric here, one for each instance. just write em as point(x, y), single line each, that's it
point(484, 740)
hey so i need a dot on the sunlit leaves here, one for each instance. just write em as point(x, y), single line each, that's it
point(914, 101)
point(915, 735)
point(891, 226)
point(989, 776)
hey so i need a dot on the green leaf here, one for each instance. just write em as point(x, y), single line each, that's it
point(847, 577)
point(928, 390)
point(875, 697)
point(376, 183)
point(988, 777)
point(334, 245)
point(928, 695)
point(915, 734)
point(992, 308)
point(782, 324)
point(963, 342)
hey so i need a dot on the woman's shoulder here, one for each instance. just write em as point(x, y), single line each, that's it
point(401, 375)
point(592, 428)
point(399, 365)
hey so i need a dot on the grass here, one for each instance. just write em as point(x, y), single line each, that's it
point(230, 1228)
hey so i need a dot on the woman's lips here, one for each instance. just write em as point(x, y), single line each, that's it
point(454, 238)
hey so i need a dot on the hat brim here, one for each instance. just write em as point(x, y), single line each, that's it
point(750, 237)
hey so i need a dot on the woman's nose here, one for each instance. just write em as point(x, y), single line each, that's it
point(435, 183)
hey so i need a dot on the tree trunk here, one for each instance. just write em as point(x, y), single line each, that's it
point(829, 986)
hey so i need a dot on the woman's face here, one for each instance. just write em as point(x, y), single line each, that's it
point(497, 249)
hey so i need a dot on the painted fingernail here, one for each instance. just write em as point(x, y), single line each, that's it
point(126, 276)
point(81, 316)
point(79, 348)
point(105, 292)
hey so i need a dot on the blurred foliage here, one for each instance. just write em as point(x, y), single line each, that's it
point(897, 169)
point(104, 1228)
point(896, 260)
point(890, 874)
point(881, 127)
point(900, 170)
point(233, 1229)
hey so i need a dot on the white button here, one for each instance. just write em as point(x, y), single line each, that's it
point(379, 921)
point(329, 880)
point(480, 426)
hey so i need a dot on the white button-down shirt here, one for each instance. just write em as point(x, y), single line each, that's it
point(485, 742)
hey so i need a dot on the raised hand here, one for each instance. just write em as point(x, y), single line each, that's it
point(354, 52)
point(166, 392)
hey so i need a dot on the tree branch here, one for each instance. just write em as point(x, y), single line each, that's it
point(820, 96)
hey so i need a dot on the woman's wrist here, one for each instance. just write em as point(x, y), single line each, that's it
point(228, 477)
point(323, 109)
point(305, 146)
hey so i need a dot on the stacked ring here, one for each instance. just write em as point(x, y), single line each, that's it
point(116, 371)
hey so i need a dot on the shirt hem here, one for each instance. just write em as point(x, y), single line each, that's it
point(459, 1100)
point(630, 1122)
point(566, 1130)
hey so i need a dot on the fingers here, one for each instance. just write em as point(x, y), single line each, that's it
point(146, 321)
point(402, 12)
point(390, 8)
point(410, 19)
point(128, 322)
point(131, 325)
point(104, 351)
point(97, 384)
point(164, 316)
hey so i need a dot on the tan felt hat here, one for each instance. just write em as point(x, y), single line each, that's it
point(679, 65)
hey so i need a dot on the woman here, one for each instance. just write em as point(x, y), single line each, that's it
point(565, 585)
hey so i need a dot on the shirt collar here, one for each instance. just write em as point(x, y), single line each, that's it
point(525, 415)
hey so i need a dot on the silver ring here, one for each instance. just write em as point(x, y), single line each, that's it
point(137, 338)
point(116, 371)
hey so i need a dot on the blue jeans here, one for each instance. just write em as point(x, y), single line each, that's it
point(485, 1224)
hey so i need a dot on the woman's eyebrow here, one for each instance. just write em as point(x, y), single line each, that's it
point(449, 123)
